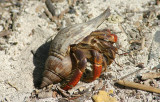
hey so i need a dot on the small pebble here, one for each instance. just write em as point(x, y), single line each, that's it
point(1, 28)
point(71, 10)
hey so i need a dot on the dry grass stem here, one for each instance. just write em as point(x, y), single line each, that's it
point(138, 86)
point(150, 75)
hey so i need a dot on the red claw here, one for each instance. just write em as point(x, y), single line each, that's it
point(114, 37)
point(75, 79)
point(77, 73)
point(97, 66)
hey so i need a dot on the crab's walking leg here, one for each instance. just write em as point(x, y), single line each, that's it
point(97, 67)
point(109, 52)
point(77, 72)
point(106, 35)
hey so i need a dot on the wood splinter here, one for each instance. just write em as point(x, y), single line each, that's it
point(150, 75)
point(138, 86)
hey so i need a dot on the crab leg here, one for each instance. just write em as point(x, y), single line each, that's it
point(97, 67)
point(106, 35)
point(106, 47)
point(77, 73)
point(109, 52)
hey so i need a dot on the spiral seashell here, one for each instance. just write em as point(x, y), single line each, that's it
point(59, 65)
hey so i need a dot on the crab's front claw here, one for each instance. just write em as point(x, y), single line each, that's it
point(97, 67)
point(77, 72)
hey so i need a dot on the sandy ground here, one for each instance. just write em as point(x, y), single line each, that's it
point(20, 71)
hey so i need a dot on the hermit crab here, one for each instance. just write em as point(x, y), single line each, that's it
point(73, 47)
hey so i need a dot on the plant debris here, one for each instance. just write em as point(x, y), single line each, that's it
point(138, 86)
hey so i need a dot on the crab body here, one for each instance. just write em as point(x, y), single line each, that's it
point(73, 47)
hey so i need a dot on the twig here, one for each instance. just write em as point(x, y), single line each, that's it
point(5, 33)
point(69, 2)
point(11, 2)
point(74, 97)
point(150, 51)
point(139, 12)
point(63, 92)
point(138, 86)
point(13, 18)
point(135, 41)
point(143, 42)
point(122, 28)
point(75, 88)
point(150, 75)
point(130, 74)
point(70, 97)
point(52, 18)
point(46, 11)
point(62, 14)
point(11, 85)
point(118, 64)
point(158, 2)
point(50, 7)
point(45, 94)
point(74, 2)
point(6, 5)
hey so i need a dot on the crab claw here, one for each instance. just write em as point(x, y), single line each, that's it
point(97, 67)
point(112, 38)
point(77, 72)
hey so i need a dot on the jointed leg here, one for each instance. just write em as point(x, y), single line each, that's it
point(105, 35)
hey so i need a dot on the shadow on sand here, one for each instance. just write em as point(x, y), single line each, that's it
point(39, 59)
